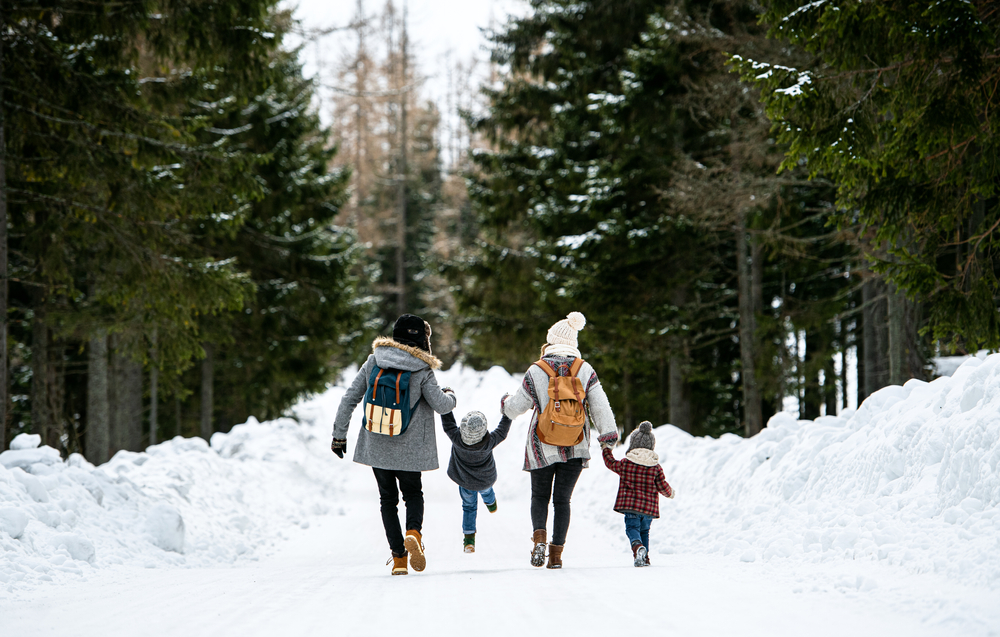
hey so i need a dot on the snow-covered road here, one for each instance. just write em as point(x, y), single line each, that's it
point(331, 578)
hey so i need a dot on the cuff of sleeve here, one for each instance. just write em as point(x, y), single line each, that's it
point(608, 438)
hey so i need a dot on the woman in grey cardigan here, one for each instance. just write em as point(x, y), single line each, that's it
point(555, 470)
point(398, 460)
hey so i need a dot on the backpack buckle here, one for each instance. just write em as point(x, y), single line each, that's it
point(557, 405)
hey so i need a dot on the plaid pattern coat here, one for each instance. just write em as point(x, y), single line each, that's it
point(639, 485)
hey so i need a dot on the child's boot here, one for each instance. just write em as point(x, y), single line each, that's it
point(398, 564)
point(638, 554)
point(492, 506)
point(538, 552)
point(555, 556)
point(470, 543)
point(415, 546)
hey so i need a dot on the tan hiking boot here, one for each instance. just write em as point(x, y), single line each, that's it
point(555, 556)
point(538, 551)
point(398, 565)
point(415, 546)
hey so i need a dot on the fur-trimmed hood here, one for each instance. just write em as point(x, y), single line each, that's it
point(394, 360)
point(645, 457)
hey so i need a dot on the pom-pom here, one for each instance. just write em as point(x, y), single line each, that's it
point(576, 320)
point(646, 427)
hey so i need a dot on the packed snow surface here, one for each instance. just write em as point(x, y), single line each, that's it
point(895, 506)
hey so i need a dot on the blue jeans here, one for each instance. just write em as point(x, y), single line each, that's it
point(470, 503)
point(637, 528)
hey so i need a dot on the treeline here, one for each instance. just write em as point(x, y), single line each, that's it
point(170, 262)
point(746, 201)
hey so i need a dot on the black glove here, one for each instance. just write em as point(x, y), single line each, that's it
point(339, 447)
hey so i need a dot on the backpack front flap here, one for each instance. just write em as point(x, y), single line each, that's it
point(561, 422)
point(387, 401)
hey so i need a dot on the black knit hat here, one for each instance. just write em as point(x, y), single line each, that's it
point(412, 330)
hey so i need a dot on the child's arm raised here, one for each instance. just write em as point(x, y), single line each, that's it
point(500, 433)
point(450, 429)
point(609, 460)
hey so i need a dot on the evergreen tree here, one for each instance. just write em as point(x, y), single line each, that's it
point(896, 107)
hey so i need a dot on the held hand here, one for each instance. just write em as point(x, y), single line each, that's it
point(448, 390)
point(673, 492)
point(339, 447)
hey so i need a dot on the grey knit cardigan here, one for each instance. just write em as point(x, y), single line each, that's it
point(533, 394)
point(416, 449)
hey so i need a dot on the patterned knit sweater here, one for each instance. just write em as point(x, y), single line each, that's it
point(533, 394)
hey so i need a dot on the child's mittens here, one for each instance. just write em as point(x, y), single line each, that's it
point(448, 390)
point(607, 445)
point(672, 492)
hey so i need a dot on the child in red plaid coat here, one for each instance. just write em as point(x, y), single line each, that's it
point(640, 484)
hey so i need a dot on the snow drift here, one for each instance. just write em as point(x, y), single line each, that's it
point(910, 480)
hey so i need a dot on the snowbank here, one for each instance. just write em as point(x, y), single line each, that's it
point(910, 479)
point(182, 502)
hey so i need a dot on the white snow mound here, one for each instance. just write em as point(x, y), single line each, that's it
point(910, 479)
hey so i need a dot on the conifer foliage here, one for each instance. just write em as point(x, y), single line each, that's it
point(164, 177)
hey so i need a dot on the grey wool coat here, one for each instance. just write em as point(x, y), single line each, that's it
point(472, 466)
point(416, 449)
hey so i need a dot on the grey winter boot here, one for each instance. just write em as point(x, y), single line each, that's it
point(639, 555)
point(538, 552)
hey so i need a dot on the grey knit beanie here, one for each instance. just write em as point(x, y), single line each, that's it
point(473, 427)
point(642, 438)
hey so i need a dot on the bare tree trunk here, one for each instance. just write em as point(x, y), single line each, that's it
point(626, 395)
point(154, 386)
point(811, 395)
point(752, 414)
point(897, 337)
point(132, 404)
point(41, 418)
point(679, 413)
point(98, 435)
point(660, 393)
point(875, 335)
point(177, 410)
point(680, 399)
point(402, 169)
point(206, 392)
point(4, 427)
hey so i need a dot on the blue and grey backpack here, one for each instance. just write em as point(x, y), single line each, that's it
point(387, 401)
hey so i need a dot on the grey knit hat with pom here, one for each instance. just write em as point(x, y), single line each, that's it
point(473, 427)
point(642, 438)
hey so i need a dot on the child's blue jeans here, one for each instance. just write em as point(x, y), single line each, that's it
point(637, 528)
point(470, 503)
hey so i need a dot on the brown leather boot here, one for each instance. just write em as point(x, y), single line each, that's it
point(538, 551)
point(398, 564)
point(555, 556)
point(415, 546)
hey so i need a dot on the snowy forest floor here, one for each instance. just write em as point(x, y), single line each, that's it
point(311, 570)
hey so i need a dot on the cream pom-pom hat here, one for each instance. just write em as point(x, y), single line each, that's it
point(564, 331)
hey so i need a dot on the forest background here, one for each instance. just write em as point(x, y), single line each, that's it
point(759, 206)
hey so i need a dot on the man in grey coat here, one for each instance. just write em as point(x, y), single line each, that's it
point(398, 460)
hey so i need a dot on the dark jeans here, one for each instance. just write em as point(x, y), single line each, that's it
point(555, 482)
point(413, 496)
point(637, 528)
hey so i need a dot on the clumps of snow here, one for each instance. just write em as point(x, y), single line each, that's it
point(911, 479)
point(180, 503)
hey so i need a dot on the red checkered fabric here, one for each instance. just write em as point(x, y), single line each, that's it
point(639, 487)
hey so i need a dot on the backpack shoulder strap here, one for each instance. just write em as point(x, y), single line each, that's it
point(546, 368)
point(575, 367)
